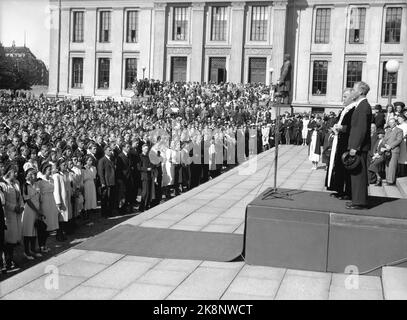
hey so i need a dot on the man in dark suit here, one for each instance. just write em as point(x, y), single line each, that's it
point(145, 167)
point(359, 144)
point(379, 118)
point(125, 169)
point(107, 176)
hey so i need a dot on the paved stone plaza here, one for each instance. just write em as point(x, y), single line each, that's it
point(217, 206)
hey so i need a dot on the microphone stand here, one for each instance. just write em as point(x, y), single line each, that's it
point(273, 193)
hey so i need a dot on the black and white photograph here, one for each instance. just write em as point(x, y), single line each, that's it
point(205, 150)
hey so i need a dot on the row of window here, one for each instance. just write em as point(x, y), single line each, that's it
point(103, 80)
point(180, 24)
point(354, 74)
point(357, 21)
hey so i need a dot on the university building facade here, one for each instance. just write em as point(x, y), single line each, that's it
point(98, 48)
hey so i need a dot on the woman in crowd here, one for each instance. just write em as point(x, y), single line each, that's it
point(62, 195)
point(13, 209)
point(89, 177)
point(389, 114)
point(314, 143)
point(304, 131)
point(32, 213)
point(48, 206)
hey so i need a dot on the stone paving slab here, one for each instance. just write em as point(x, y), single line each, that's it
point(114, 276)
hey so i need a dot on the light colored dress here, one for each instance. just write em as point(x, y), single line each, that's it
point(168, 169)
point(312, 155)
point(77, 184)
point(32, 192)
point(63, 194)
point(12, 196)
point(89, 176)
point(47, 204)
point(304, 131)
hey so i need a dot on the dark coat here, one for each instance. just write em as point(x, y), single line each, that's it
point(143, 166)
point(107, 172)
point(359, 136)
point(379, 120)
point(124, 166)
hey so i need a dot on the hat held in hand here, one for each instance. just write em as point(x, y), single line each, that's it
point(350, 162)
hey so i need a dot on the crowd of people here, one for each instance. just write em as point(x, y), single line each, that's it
point(60, 158)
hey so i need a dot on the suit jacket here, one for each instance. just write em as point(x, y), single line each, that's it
point(143, 166)
point(379, 120)
point(124, 166)
point(107, 171)
point(393, 138)
point(359, 135)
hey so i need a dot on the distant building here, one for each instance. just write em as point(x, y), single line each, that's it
point(100, 49)
point(25, 59)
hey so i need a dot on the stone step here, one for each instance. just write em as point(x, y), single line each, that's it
point(394, 281)
point(376, 191)
point(392, 192)
point(401, 184)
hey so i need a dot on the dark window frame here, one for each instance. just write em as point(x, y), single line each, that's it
point(180, 24)
point(322, 25)
point(132, 26)
point(77, 73)
point(103, 73)
point(353, 73)
point(320, 77)
point(393, 23)
point(386, 82)
point(357, 35)
point(219, 23)
point(130, 72)
point(78, 26)
point(258, 28)
point(105, 22)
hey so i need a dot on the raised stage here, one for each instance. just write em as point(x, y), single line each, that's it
point(310, 230)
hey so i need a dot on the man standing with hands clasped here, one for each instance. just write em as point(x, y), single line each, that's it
point(359, 145)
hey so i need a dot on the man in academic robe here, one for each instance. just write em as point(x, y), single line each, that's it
point(145, 167)
point(359, 145)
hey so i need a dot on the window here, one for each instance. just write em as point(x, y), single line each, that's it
point(259, 23)
point(386, 80)
point(77, 73)
point(320, 76)
point(219, 24)
point(131, 72)
point(393, 25)
point(104, 34)
point(132, 26)
point(354, 73)
point(78, 26)
point(357, 25)
point(180, 25)
point(322, 25)
point(257, 70)
point(104, 73)
point(178, 69)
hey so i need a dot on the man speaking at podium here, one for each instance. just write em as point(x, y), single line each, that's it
point(359, 145)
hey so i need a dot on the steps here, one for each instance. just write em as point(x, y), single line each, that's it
point(401, 184)
point(394, 282)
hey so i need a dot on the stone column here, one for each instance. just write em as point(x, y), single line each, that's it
point(64, 59)
point(237, 42)
point(145, 38)
point(116, 67)
point(53, 49)
point(278, 41)
point(301, 65)
point(337, 66)
point(89, 63)
point(197, 38)
point(373, 44)
point(160, 37)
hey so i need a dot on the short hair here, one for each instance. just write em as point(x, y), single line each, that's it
point(347, 90)
point(364, 87)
